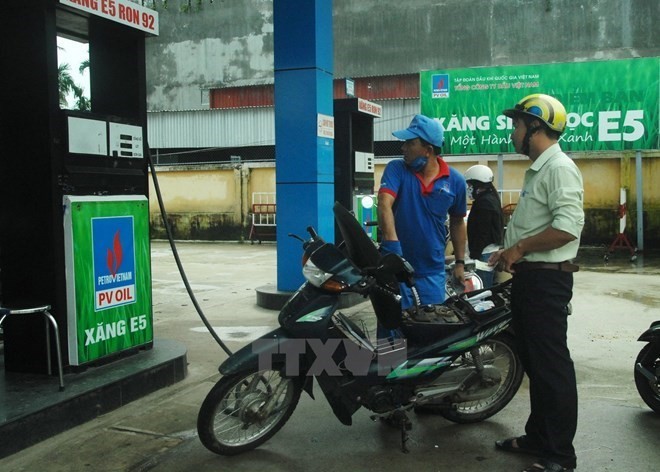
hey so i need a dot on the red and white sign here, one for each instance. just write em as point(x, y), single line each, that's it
point(122, 11)
point(325, 126)
point(370, 108)
point(115, 297)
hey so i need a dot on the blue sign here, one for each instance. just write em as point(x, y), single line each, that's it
point(440, 83)
point(113, 245)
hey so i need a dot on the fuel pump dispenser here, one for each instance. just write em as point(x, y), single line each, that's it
point(74, 185)
point(354, 159)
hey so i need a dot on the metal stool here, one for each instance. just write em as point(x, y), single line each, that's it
point(4, 312)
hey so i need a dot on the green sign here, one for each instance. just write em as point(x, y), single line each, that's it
point(108, 272)
point(611, 105)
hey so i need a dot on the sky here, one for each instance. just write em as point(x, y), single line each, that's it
point(74, 53)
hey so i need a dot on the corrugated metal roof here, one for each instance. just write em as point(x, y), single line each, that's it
point(250, 126)
point(236, 97)
point(211, 128)
point(390, 87)
point(396, 115)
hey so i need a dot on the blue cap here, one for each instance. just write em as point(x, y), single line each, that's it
point(429, 129)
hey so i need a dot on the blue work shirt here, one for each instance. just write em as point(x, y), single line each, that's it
point(421, 211)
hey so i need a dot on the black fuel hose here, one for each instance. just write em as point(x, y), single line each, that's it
point(170, 238)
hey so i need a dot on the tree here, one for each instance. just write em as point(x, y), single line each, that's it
point(65, 83)
point(83, 65)
point(82, 102)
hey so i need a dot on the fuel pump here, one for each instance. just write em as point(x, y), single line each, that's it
point(74, 193)
point(354, 159)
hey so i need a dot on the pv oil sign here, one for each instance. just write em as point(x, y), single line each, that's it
point(108, 275)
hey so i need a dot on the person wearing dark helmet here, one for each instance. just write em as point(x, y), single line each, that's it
point(416, 195)
point(485, 223)
point(540, 242)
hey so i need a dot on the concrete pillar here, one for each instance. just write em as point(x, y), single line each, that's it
point(305, 160)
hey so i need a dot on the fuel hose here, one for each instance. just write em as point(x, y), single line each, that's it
point(170, 238)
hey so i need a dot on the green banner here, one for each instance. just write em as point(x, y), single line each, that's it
point(611, 105)
point(108, 267)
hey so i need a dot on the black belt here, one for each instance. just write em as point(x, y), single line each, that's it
point(564, 266)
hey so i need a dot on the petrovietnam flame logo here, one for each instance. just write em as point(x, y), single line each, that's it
point(114, 255)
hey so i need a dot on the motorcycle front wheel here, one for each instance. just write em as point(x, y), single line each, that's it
point(498, 352)
point(244, 410)
point(649, 359)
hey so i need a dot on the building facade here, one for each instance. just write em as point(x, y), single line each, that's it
point(210, 76)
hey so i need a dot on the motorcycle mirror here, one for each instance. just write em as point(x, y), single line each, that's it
point(295, 236)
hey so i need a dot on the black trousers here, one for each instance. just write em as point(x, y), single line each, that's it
point(539, 303)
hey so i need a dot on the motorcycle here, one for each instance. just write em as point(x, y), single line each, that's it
point(647, 367)
point(466, 371)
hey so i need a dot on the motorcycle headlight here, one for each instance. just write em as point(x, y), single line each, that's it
point(320, 278)
point(313, 274)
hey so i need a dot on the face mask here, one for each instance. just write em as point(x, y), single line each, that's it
point(470, 192)
point(418, 164)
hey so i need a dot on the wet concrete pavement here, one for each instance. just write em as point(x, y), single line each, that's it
point(613, 304)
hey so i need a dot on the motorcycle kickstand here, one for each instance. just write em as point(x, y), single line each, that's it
point(399, 419)
point(404, 439)
point(404, 422)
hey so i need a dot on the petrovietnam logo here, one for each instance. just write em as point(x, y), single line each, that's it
point(113, 244)
point(440, 84)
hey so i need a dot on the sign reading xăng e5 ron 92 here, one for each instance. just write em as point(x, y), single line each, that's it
point(611, 105)
point(126, 12)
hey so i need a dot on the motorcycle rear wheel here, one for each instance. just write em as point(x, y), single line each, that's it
point(649, 358)
point(499, 351)
point(233, 417)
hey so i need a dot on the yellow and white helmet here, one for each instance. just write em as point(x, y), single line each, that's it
point(544, 107)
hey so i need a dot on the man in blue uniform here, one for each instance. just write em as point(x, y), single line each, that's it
point(416, 195)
